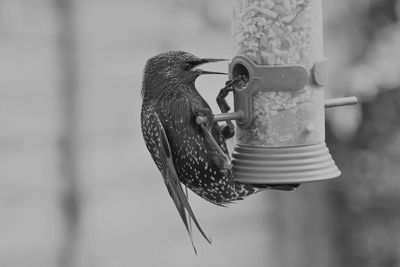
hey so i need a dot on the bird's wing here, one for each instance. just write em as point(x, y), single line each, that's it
point(172, 181)
point(215, 142)
point(219, 153)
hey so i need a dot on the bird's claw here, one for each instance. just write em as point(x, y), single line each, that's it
point(204, 117)
point(224, 163)
point(221, 101)
point(200, 119)
point(228, 131)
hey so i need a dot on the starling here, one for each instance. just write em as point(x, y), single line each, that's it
point(184, 142)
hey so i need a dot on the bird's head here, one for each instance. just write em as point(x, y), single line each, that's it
point(173, 68)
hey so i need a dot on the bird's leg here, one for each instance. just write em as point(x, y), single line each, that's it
point(221, 159)
point(204, 117)
point(223, 93)
point(228, 130)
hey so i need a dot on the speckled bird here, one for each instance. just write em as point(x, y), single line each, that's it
point(184, 142)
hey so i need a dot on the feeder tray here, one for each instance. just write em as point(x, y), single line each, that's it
point(285, 165)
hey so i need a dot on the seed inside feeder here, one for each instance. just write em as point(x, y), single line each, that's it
point(290, 32)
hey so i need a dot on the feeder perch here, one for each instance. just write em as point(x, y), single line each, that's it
point(280, 112)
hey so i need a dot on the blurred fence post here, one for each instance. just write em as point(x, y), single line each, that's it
point(287, 32)
point(69, 113)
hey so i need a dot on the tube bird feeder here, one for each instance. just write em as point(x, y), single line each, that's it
point(279, 113)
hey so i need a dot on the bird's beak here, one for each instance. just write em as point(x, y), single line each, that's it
point(201, 72)
point(210, 60)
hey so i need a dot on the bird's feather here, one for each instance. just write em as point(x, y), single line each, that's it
point(172, 181)
point(214, 141)
point(184, 151)
point(220, 158)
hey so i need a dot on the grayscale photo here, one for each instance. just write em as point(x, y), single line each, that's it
point(184, 133)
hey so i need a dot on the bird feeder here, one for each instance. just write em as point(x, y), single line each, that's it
point(280, 111)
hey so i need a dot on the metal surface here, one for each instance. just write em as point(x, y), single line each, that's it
point(229, 116)
point(342, 101)
point(329, 103)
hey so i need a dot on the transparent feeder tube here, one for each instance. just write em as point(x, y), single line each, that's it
point(278, 45)
point(282, 32)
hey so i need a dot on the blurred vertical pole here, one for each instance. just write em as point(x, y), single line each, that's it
point(70, 200)
point(285, 32)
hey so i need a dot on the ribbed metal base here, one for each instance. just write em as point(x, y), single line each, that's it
point(287, 165)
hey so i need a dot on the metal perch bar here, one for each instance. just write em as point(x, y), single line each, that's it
point(329, 103)
point(229, 116)
point(341, 101)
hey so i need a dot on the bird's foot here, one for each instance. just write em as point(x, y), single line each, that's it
point(224, 164)
point(221, 98)
point(228, 130)
point(204, 117)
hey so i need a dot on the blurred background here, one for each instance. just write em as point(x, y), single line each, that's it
point(78, 187)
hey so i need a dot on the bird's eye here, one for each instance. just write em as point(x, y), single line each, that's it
point(187, 66)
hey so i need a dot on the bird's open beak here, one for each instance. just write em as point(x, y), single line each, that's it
point(210, 60)
point(201, 72)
